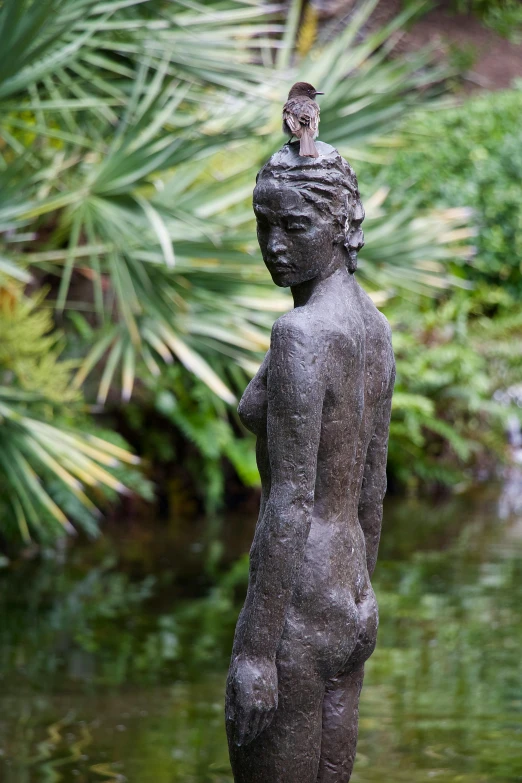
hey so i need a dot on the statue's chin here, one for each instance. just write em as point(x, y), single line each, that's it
point(282, 280)
point(282, 277)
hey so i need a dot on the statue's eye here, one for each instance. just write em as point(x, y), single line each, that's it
point(262, 222)
point(296, 225)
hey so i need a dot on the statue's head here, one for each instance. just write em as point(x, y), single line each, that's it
point(309, 214)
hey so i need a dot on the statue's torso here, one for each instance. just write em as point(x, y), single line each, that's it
point(333, 586)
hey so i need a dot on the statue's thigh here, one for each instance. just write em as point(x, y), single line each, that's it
point(288, 750)
point(339, 727)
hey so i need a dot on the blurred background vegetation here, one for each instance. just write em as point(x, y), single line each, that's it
point(133, 301)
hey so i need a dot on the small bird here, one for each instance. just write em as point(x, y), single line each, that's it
point(301, 117)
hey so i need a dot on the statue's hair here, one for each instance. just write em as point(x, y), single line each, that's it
point(329, 183)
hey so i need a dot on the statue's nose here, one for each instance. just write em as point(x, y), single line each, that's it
point(276, 243)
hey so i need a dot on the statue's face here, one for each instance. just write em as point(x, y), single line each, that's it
point(295, 239)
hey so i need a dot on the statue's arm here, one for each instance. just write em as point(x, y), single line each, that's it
point(374, 481)
point(296, 384)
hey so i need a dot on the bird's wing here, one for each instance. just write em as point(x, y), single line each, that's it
point(304, 109)
point(292, 122)
point(314, 122)
point(301, 113)
point(292, 106)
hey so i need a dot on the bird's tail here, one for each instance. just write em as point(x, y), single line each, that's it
point(307, 147)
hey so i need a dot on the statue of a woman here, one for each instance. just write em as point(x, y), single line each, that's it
point(320, 407)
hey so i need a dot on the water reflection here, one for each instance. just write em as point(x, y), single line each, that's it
point(109, 673)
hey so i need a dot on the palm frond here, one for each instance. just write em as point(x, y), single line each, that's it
point(130, 137)
point(35, 454)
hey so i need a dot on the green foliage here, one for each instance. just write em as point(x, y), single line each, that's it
point(177, 405)
point(445, 426)
point(503, 16)
point(30, 349)
point(506, 20)
point(130, 198)
point(456, 352)
point(130, 136)
point(53, 469)
point(471, 156)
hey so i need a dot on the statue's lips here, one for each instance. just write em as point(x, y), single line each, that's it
point(279, 265)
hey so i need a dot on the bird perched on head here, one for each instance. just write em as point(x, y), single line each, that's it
point(301, 117)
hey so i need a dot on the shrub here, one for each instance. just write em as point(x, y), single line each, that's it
point(455, 352)
point(471, 155)
point(55, 469)
point(129, 143)
point(446, 429)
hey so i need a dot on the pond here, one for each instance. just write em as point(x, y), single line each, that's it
point(113, 654)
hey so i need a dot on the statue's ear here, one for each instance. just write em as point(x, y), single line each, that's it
point(342, 226)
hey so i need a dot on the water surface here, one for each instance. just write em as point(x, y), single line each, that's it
point(113, 655)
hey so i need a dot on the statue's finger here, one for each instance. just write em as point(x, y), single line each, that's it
point(253, 729)
point(262, 723)
point(242, 723)
point(268, 717)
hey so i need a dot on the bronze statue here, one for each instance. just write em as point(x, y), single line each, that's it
point(320, 407)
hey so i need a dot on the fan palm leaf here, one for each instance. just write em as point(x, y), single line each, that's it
point(32, 448)
point(146, 195)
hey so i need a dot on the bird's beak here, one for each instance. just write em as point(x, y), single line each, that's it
point(319, 93)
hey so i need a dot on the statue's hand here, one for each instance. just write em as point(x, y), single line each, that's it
point(251, 697)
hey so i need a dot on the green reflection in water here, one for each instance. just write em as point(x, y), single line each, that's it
point(111, 671)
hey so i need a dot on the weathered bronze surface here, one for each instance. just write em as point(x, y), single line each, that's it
point(320, 407)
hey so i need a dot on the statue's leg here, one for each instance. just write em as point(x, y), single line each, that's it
point(288, 750)
point(340, 727)
point(341, 701)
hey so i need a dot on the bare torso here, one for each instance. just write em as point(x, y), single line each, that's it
point(333, 603)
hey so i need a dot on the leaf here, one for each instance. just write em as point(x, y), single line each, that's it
point(11, 269)
point(196, 364)
point(160, 230)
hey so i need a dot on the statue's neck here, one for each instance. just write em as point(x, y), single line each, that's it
point(319, 287)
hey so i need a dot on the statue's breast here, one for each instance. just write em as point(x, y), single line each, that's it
point(254, 402)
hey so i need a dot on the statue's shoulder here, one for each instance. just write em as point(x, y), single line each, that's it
point(294, 322)
point(295, 329)
point(373, 312)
